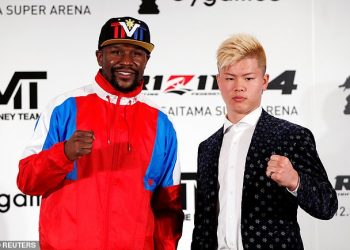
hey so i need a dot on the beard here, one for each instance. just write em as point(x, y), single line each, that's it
point(135, 84)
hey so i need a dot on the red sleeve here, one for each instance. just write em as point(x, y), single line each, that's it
point(39, 173)
point(168, 217)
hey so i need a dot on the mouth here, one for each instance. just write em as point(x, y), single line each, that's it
point(125, 74)
point(239, 98)
point(125, 71)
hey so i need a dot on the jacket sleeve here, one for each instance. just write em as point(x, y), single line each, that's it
point(168, 218)
point(197, 237)
point(44, 165)
point(41, 172)
point(205, 217)
point(315, 194)
point(166, 201)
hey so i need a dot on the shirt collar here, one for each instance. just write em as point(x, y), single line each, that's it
point(106, 86)
point(106, 92)
point(250, 119)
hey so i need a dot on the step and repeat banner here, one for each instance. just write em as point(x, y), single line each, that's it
point(48, 47)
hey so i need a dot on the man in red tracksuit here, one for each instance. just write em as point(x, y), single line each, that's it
point(104, 160)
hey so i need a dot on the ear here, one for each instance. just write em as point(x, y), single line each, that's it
point(148, 56)
point(218, 79)
point(266, 78)
point(99, 57)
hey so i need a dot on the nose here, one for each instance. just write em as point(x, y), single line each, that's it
point(127, 59)
point(239, 86)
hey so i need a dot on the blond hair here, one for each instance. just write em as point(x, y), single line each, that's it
point(238, 47)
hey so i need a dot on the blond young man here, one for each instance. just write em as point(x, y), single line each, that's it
point(256, 170)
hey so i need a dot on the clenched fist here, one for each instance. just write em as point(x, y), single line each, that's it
point(79, 144)
point(280, 169)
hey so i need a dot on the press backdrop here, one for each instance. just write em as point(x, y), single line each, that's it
point(48, 47)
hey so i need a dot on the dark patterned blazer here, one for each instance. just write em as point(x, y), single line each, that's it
point(269, 212)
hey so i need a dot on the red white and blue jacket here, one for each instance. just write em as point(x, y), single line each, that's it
point(125, 195)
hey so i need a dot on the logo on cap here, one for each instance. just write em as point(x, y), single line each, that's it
point(125, 30)
point(128, 28)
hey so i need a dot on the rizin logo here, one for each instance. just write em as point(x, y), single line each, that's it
point(207, 84)
point(342, 187)
point(181, 84)
point(342, 183)
point(178, 84)
point(346, 85)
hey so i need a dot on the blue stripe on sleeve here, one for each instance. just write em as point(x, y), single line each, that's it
point(62, 126)
point(164, 156)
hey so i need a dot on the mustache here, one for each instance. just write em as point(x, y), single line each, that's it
point(117, 68)
point(116, 85)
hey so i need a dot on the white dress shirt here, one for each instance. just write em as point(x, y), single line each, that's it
point(234, 149)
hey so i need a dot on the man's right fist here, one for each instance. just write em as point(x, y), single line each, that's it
point(79, 144)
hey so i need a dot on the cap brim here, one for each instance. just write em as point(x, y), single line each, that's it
point(147, 46)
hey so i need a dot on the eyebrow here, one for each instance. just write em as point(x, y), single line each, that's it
point(246, 74)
